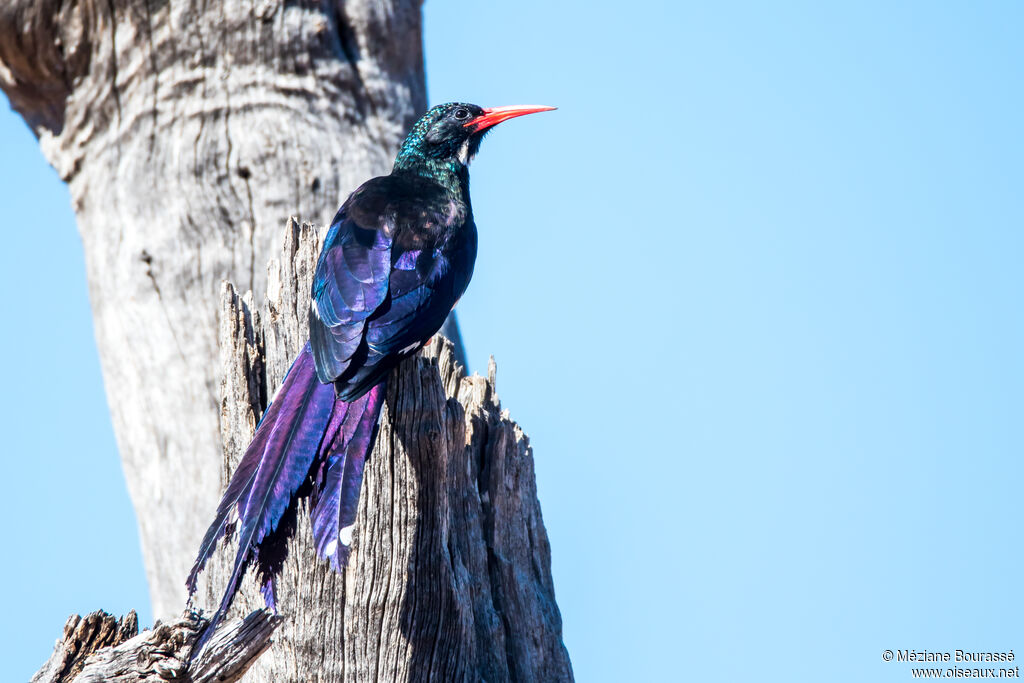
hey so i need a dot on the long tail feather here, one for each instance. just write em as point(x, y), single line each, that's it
point(236, 494)
point(337, 489)
point(273, 468)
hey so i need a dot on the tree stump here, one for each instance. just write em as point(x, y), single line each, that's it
point(450, 573)
point(449, 578)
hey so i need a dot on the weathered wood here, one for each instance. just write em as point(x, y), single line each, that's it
point(100, 648)
point(188, 131)
point(82, 637)
point(449, 578)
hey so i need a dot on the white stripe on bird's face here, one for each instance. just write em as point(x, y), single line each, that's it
point(464, 157)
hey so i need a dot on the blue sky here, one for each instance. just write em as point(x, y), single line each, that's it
point(754, 292)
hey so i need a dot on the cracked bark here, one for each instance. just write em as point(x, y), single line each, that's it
point(188, 131)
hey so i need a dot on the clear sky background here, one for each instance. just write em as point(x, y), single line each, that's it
point(755, 292)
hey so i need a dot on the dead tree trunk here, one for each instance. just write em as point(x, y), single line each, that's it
point(450, 573)
point(188, 131)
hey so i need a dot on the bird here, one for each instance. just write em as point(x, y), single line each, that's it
point(397, 257)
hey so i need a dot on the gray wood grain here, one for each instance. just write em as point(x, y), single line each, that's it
point(100, 648)
point(450, 574)
point(187, 132)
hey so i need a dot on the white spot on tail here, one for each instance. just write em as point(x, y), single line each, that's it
point(345, 534)
point(312, 307)
point(331, 547)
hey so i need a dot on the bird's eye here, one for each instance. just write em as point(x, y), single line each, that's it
point(461, 114)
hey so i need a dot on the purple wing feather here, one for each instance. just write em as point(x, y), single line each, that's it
point(351, 282)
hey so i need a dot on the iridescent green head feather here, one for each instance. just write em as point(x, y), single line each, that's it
point(448, 136)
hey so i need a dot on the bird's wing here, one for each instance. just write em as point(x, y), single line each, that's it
point(420, 280)
point(351, 282)
point(378, 294)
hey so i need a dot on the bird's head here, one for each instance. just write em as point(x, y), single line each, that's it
point(451, 133)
